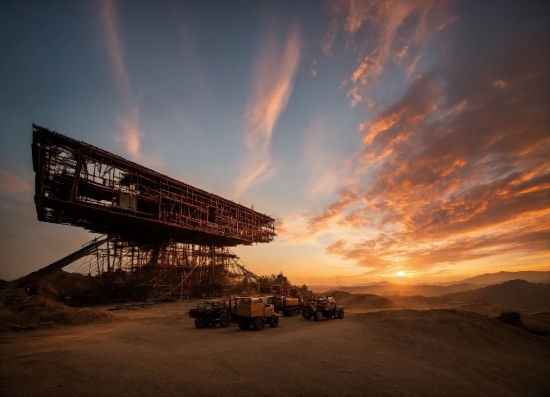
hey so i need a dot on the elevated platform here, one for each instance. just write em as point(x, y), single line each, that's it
point(81, 185)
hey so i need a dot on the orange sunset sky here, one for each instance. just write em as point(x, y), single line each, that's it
point(383, 136)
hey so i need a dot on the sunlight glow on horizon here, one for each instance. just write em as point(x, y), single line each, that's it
point(380, 135)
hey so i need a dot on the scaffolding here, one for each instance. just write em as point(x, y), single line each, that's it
point(163, 239)
point(168, 270)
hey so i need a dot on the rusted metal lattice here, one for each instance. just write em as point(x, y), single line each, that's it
point(163, 238)
point(81, 185)
point(168, 270)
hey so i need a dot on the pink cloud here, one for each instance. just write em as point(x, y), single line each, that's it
point(114, 47)
point(13, 183)
point(272, 86)
point(130, 133)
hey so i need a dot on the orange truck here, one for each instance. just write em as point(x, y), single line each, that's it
point(253, 311)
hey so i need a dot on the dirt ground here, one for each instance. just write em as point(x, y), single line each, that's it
point(157, 351)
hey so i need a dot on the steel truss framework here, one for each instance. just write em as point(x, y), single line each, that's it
point(81, 185)
point(165, 239)
point(167, 269)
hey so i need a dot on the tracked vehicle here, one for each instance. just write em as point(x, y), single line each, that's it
point(210, 313)
point(252, 311)
point(323, 308)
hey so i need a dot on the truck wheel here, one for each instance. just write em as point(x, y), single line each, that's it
point(341, 314)
point(274, 322)
point(286, 313)
point(243, 324)
point(258, 324)
point(200, 322)
point(224, 320)
point(317, 316)
point(307, 312)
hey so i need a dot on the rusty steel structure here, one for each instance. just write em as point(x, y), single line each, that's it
point(166, 237)
point(81, 185)
point(168, 271)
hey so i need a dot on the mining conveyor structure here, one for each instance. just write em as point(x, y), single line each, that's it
point(160, 222)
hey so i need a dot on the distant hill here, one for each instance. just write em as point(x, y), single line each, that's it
point(385, 288)
point(514, 293)
point(511, 293)
point(389, 289)
point(363, 301)
point(495, 278)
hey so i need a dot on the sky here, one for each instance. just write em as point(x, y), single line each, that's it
point(383, 136)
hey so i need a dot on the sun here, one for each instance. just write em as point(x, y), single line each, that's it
point(400, 273)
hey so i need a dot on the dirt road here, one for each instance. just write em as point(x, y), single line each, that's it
point(158, 352)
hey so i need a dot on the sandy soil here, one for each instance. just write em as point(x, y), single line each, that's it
point(158, 352)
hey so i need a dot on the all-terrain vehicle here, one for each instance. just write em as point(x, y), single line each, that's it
point(325, 307)
point(252, 311)
point(210, 313)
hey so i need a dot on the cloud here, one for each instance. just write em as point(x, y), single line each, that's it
point(455, 169)
point(128, 117)
point(271, 88)
point(12, 183)
point(130, 134)
point(388, 252)
point(338, 218)
point(114, 47)
point(398, 31)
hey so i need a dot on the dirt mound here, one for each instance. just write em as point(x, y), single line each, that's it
point(427, 324)
point(4, 284)
point(362, 301)
point(74, 288)
point(511, 318)
point(38, 311)
point(5, 313)
point(49, 303)
point(78, 288)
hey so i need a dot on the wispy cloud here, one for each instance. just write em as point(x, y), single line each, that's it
point(13, 183)
point(271, 88)
point(454, 170)
point(397, 30)
point(130, 134)
point(114, 47)
point(128, 117)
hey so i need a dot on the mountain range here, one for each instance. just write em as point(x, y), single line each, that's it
point(385, 288)
point(513, 293)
